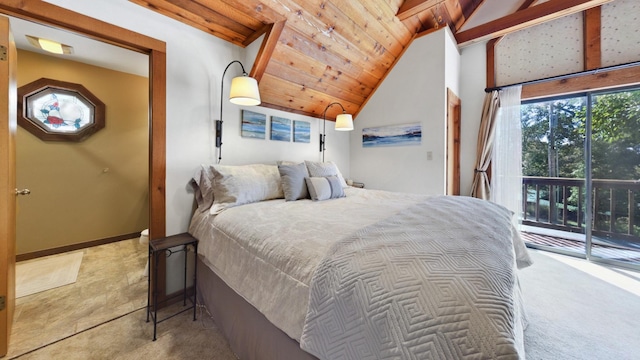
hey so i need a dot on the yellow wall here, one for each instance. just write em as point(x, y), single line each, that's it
point(89, 190)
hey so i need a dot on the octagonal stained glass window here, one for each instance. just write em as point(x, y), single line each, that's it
point(59, 111)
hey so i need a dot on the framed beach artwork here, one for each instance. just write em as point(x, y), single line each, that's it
point(392, 135)
point(253, 124)
point(301, 131)
point(280, 129)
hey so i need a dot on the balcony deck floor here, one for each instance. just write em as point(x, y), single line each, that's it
point(604, 251)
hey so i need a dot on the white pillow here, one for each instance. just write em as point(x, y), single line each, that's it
point(321, 169)
point(323, 188)
point(244, 184)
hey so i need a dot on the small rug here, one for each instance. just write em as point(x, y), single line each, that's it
point(34, 276)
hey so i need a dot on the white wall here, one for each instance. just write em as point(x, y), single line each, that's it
point(473, 82)
point(195, 63)
point(414, 91)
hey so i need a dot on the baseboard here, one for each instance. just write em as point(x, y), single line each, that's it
point(67, 248)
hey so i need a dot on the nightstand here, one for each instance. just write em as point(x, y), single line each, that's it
point(161, 246)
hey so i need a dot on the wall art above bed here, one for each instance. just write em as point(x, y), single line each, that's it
point(253, 125)
point(393, 135)
point(301, 131)
point(280, 129)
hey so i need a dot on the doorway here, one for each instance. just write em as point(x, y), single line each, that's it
point(107, 167)
point(45, 13)
point(84, 284)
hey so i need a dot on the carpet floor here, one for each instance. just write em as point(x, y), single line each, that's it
point(576, 310)
point(580, 310)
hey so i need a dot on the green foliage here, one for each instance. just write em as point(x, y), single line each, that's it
point(553, 141)
point(556, 130)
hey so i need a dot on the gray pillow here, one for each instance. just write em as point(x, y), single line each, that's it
point(202, 184)
point(317, 169)
point(235, 185)
point(323, 188)
point(293, 184)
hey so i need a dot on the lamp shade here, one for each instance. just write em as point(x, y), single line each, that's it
point(344, 122)
point(244, 91)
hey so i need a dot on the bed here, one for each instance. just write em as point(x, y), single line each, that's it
point(294, 264)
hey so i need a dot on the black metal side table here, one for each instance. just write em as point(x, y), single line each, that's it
point(157, 247)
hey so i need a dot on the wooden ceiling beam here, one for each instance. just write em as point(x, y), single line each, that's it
point(592, 38)
point(252, 8)
point(519, 20)
point(198, 21)
point(596, 81)
point(272, 34)
point(413, 7)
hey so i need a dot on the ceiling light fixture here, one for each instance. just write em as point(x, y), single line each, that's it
point(51, 46)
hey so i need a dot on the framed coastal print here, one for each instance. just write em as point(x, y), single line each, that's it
point(392, 135)
point(253, 124)
point(280, 129)
point(301, 131)
point(54, 110)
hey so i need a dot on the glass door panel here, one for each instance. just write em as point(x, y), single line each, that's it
point(615, 173)
point(553, 161)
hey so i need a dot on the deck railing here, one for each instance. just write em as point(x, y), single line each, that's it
point(559, 203)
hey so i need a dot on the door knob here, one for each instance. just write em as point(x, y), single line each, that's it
point(23, 192)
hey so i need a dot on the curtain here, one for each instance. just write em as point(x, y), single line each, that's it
point(481, 187)
point(506, 175)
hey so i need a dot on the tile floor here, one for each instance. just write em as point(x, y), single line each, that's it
point(111, 283)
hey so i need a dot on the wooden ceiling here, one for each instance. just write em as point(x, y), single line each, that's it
point(316, 52)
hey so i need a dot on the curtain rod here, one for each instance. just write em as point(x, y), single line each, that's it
point(567, 76)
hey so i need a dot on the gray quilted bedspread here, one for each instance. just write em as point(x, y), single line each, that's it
point(435, 281)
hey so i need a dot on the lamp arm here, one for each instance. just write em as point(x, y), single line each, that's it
point(324, 126)
point(219, 121)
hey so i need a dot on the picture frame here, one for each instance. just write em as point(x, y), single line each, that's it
point(280, 129)
point(253, 125)
point(392, 135)
point(301, 131)
point(54, 110)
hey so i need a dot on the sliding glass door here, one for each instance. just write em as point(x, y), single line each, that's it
point(581, 168)
point(554, 182)
point(615, 172)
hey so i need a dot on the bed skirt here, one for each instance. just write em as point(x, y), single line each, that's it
point(250, 335)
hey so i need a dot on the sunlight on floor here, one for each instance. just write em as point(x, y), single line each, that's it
point(625, 279)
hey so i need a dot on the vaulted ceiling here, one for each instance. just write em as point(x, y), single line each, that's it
point(316, 52)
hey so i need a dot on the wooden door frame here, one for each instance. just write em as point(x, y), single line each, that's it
point(55, 16)
point(453, 143)
point(47, 14)
point(8, 125)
